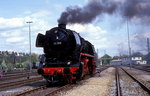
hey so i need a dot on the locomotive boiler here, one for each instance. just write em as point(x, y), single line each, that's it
point(68, 56)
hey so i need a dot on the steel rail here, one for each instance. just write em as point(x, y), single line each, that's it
point(19, 83)
point(32, 91)
point(65, 87)
point(146, 70)
point(11, 75)
point(118, 88)
point(139, 82)
point(143, 68)
point(4, 78)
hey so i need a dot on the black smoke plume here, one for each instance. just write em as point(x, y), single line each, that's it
point(86, 14)
point(139, 9)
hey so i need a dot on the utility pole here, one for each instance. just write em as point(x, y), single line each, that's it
point(129, 43)
point(29, 22)
point(148, 49)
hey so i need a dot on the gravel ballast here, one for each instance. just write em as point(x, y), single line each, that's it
point(94, 86)
point(21, 89)
point(140, 75)
point(129, 87)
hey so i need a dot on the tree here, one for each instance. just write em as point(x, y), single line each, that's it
point(116, 57)
point(9, 66)
point(11, 60)
point(34, 57)
point(3, 65)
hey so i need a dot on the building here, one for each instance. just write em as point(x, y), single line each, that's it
point(134, 60)
point(126, 61)
point(116, 62)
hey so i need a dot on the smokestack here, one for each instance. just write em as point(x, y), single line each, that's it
point(63, 26)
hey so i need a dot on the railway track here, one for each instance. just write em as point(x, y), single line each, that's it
point(118, 89)
point(19, 83)
point(53, 90)
point(16, 72)
point(143, 68)
point(68, 86)
point(144, 87)
point(130, 79)
point(16, 76)
point(47, 90)
point(33, 90)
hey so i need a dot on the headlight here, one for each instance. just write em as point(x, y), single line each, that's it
point(68, 63)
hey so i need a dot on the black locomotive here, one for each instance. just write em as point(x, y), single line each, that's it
point(61, 44)
point(64, 51)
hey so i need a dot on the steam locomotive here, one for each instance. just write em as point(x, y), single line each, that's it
point(68, 57)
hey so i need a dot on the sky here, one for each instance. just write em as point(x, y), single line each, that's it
point(107, 31)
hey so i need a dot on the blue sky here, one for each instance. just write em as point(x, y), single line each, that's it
point(107, 33)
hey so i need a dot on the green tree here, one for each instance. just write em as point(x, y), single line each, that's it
point(9, 66)
point(116, 57)
point(34, 57)
point(12, 60)
point(26, 64)
point(3, 65)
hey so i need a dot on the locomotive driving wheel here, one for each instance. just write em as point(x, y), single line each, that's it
point(68, 78)
point(68, 75)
